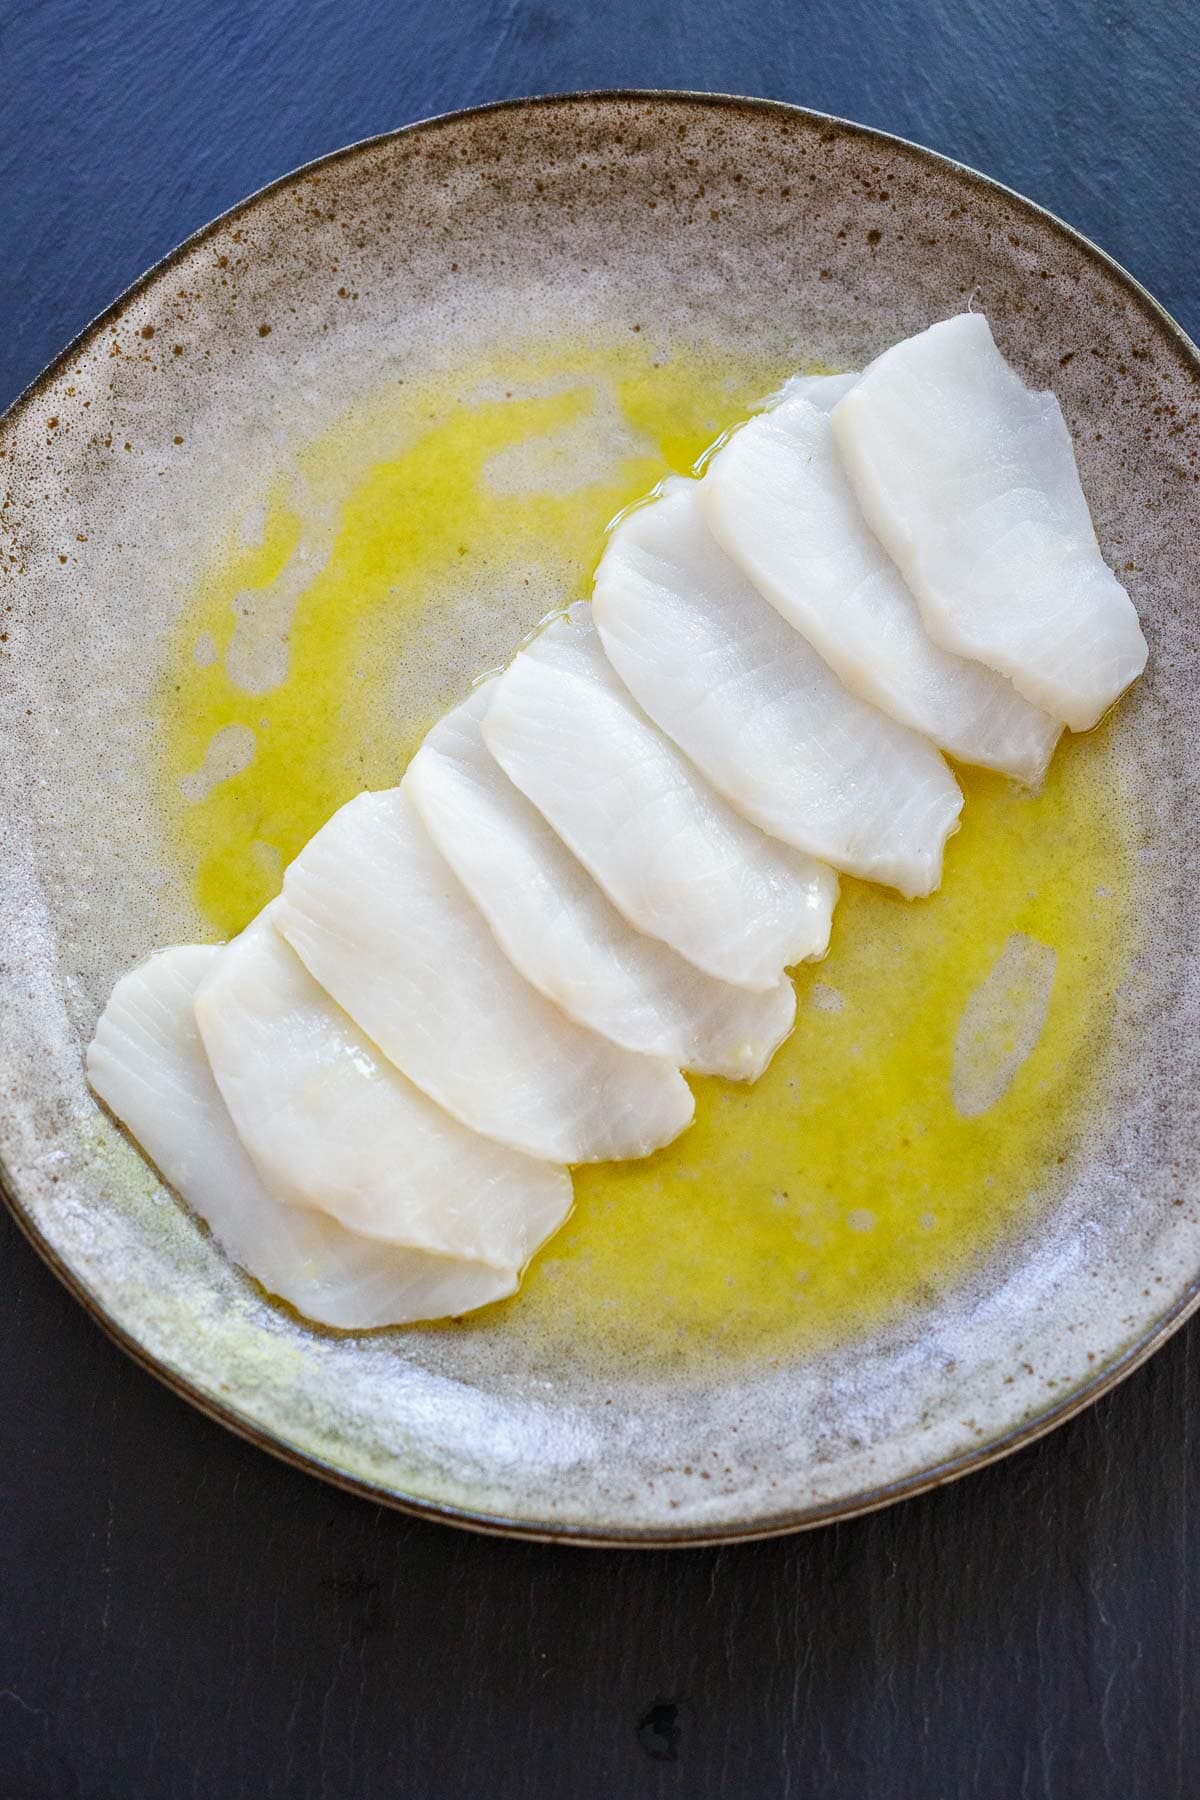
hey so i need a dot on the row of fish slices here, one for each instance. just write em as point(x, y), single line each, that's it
point(677, 960)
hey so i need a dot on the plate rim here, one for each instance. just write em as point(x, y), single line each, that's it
point(787, 1521)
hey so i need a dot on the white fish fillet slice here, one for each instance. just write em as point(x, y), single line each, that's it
point(670, 853)
point(968, 479)
point(147, 1063)
point(778, 501)
point(758, 711)
point(330, 1124)
point(377, 916)
point(561, 931)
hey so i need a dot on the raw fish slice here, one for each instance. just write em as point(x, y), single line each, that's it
point(755, 707)
point(777, 500)
point(969, 481)
point(669, 852)
point(379, 919)
point(331, 1124)
point(563, 934)
point(147, 1064)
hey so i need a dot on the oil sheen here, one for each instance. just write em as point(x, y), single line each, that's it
point(947, 1062)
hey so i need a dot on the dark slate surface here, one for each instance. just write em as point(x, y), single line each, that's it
point(183, 1619)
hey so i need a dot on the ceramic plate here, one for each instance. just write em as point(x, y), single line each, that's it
point(331, 460)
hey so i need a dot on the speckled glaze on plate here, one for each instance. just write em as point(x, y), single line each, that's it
point(813, 239)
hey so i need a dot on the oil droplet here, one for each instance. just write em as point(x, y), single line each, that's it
point(230, 752)
point(1001, 1023)
point(825, 998)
